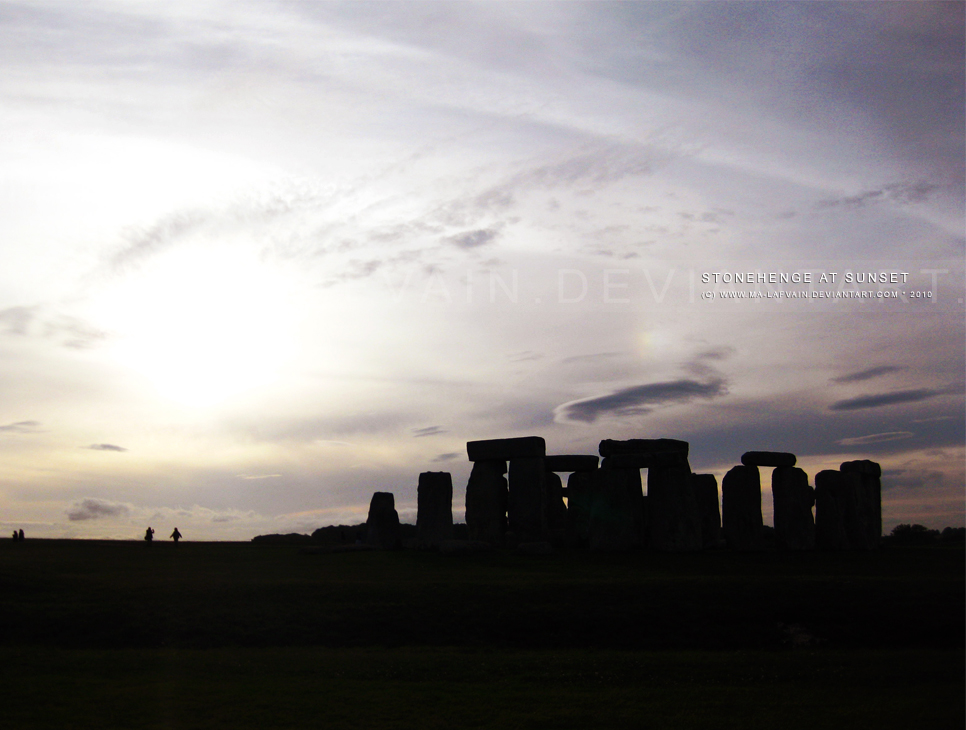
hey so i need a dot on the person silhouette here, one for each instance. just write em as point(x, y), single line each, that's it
point(175, 535)
point(15, 536)
point(149, 534)
point(20, 537)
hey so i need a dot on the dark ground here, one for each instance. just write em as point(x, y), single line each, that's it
point(125, 634)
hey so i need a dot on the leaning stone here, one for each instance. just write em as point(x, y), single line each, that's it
point(768, 458)
point(673, 513)
point(571, 463)
point(793, 500)
point(609, 447)
point(527, 503)
point(382, 526)
point(581, 490)
point(705, 488)
point(831, 497)
point(486, 502)
point(617, 511)
point(506, 449)
point(650, 460)
point(434, 508)
point(741, 508)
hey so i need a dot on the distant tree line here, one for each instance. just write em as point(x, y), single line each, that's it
point(921, 535)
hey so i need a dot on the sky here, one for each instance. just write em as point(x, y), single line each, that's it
point(262, 259)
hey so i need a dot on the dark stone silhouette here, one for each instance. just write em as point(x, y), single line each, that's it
point(571, 463)
point(610, 447)
point(556, 510)
point(864, 519)
point(741, 508)
point(581, 492)
point(793, 499)
point(831, 496)
point(675, 524)
point(16, 536)
point(434, 508)
point(175, 535)
point(527, 500)
point(705, 488)
point(648, 460)
point(505, 449)
point(20, 537)
point(617, 511)
point(768, 458)
point(149, 534)
point(382, 526)
point(486, 502)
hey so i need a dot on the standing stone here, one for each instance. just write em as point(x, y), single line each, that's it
point(382, 525)
point(793, 499)
point(831, 496)
point(675, 525)
point(868, 528)
point(527, 505)
point(581, 493)
point(556, 509)
point(434, 508)
point(741, 508)
point(505, 449)
point(705, 488)
point(486, 502)
point(617, 512)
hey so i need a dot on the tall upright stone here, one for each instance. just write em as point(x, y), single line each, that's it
point(527, 505)
point(705, 488)
point(866, 523)
point(617, 513)
point(831, 498)
point(674, 521)
point(486, 502)
point(581, 493)
point(556, 509)
point(382, 524)
point(434, 508)
point(793, 499)
point(741, 508)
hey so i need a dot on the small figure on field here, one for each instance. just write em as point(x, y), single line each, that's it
point(15, 536)
point(175, 535)
point(149, 534)
point(20, 536)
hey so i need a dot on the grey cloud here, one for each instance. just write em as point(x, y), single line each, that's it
point(428, 431)
point(449, 456)
point(474, 239)
point(888, 399)
point(876, 438)
point(94, 509)
point(105, 447)
point(867, 374)
point(901, 193)
point(143, 243)
point(641, 399)
point(17, 319)
point(21, 427)
point(76, 333)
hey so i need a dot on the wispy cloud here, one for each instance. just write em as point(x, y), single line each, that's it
point(95, 509)
point(105, 447)
point(258, 476)
point(474, 239)
point(640, 399)
point(888, 399)
point(902, 193)
point(16, 320)
point(868, 374)
point(428, 431)
point(876, 438)
point(21, 427)
point(448, 456)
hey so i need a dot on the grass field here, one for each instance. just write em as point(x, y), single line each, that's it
point(117, 634)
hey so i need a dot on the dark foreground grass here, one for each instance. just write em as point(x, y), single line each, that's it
point(478, 688)
point(113, 634)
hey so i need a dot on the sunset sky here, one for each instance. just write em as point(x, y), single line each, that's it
point(262, 259)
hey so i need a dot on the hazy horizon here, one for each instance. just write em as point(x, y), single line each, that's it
point(262, 260)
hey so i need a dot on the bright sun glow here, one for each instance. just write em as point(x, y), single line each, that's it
point(203, 325)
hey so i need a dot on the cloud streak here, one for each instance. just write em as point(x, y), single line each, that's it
point(105, 447)
point(868, 374)
point(641, 399)
point(889, 399)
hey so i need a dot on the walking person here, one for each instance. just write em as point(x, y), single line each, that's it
point(175, 535)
